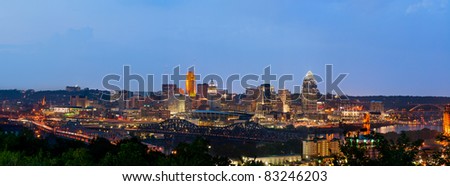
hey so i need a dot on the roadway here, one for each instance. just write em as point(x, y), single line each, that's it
point(56, 131)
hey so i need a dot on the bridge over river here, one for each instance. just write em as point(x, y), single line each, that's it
point(241, 131)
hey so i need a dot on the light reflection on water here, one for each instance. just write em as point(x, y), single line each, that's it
point(400, 128)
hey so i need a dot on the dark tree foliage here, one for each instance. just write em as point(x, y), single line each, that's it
point(354, 154)
point(130, 153)
point(379, 152)
point(402, 153)
point(76, 157)
point(194, 154)
point(26, 150)
point(253, 163)
point(99, 148)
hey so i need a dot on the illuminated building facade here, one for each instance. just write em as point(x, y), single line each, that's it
point(323, 147)
point(212, 88)
point(214, 97)
point(351, 116)
point(285, 98)
point(79, 101)
point(190, 84)
point(446, 121)
point(44, 101)
point(366, 124)
point(327, 148)
point(273, 160)
point(309, 149)
point(320, 148)
point(310, 94)
point(376, 106)
point(335, 147)
point(177, 104)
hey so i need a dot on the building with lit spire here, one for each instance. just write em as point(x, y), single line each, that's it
point(310, 94)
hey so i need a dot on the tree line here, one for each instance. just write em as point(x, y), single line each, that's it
point(26, 150)
point(376, 150)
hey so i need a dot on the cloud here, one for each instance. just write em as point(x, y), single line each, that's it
point(428, 5)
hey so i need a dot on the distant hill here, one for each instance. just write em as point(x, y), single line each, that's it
point(402, 102)
point(57, 97)
point(62, 97)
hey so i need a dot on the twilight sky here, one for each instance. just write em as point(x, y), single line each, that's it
point(388, 47)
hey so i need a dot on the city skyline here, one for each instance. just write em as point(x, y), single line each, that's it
point(293, 86)
point(387, 47)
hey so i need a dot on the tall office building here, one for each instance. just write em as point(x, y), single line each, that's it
point(334, 147)
point(266, 91)
point(177, 104)
point(309, 149)
point(169, 89)
point(446, 121)
point(264, 101)
point(323, 148)
point(310, 94)
point(190, 84)
point(212, 88)
point(320, 148)
point(285, 98)
point(214, 97)
point(202, 90)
